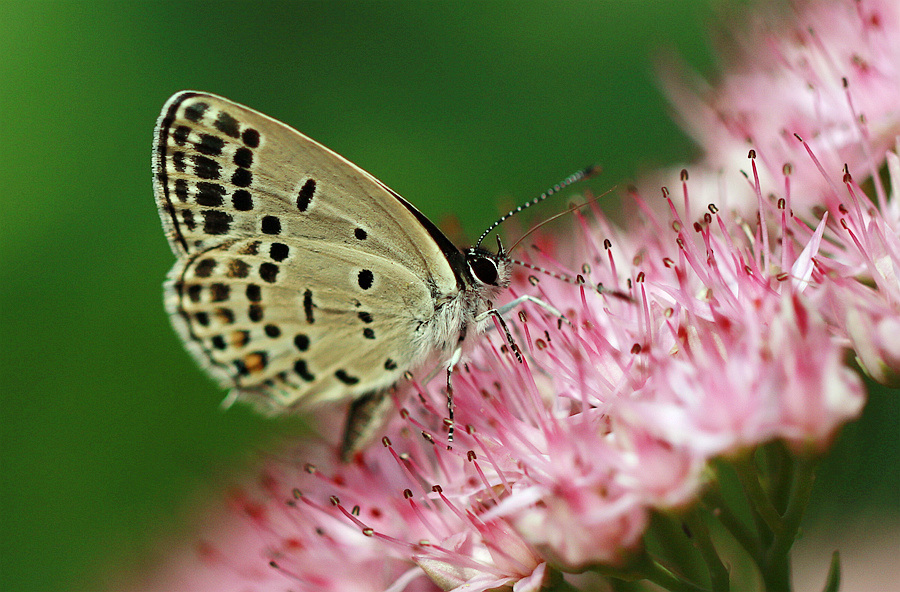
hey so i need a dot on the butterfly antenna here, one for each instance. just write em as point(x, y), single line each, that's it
point(555, 274)
point(584, 173)
point(568, 210)
point(578, 280)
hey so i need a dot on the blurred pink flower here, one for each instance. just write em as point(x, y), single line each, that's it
point(830, 73)
point(263, 536)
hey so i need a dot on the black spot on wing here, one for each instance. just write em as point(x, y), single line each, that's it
point(346, 378)
point(271, 225)
point(242, 200)
point(250, 137)
point(204, 268)
point(188, 217)
point(210, 194)
point(255, 313)
point(242, 178)
point(194, 292)
point(227, 124)
point(194, 112)
point(268, 272)
point(216, 222)
point(205, 167)
point(243, 157)
point(180, 135)
point(301, 341)
point(308, 306)
point(181, 189)
point(238, 269)
point(210, 145)
point(254, 293)
point(305, 196)
point(220, 292)
point(279, 251)
point(365, 279)
point(302, 371)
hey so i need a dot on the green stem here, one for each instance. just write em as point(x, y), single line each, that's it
point(779, 466)
point(663, 577)
point(759, 501)
point(718, 573)
point(633, 573)
point(716, 505)
point(777, 574)
point(805, 478)
point(647, 568)
point(668, 541)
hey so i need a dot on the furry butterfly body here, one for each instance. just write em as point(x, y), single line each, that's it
point(300, 278)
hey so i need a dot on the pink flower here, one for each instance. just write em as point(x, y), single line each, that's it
point(863, 294)
point(560, 461)
point(696, 335)
point(265, 536)
point(829, 74)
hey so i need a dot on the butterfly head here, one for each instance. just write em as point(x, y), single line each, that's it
point(488, 272)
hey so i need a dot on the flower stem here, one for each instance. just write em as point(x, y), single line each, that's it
point(718, 574)
point(777, 574)
point(762, 506)
point(779, 467)
point(658, 574)
point(670, 541)
point(717, 506)
point(741, 533)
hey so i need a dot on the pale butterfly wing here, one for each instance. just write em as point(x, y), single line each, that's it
point(300, 277)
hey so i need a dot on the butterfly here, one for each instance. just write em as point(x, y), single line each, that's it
point(300, 278)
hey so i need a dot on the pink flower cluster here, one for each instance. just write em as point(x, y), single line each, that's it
point(829, 75)
point(715, 331)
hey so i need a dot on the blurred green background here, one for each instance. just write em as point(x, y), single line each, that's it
point(110, 434)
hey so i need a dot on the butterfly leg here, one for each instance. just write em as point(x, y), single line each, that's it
point(498, 313)
point(451, 366)
point(528, 298)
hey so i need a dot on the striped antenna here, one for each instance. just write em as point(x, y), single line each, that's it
point(555, 274)
point(569, 210)
point(573, 178)
point(578, 280)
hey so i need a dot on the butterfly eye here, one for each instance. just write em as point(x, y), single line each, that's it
point(484, 269)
